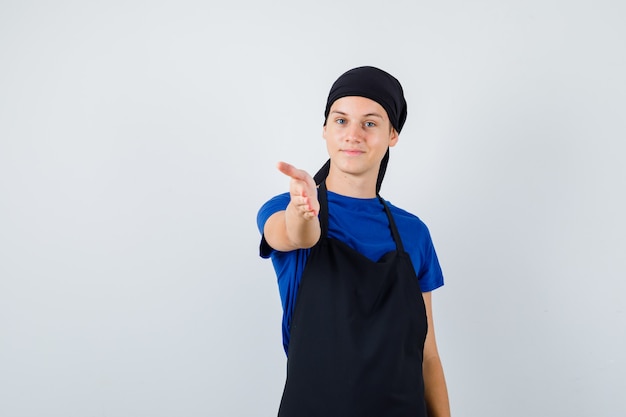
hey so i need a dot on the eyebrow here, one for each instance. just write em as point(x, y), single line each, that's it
point(365, 115)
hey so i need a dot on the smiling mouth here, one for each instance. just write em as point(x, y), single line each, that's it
point(352, 152)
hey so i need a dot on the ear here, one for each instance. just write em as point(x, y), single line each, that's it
point(324, 131)
point(393, 137)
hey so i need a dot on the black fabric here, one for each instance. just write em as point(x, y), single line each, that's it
point(357, 335)
point(322, 173)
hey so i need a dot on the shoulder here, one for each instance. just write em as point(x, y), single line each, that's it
point(273, 205)
point(407, 222)
point(413, 231)
point(418, 243)
point(278, 200)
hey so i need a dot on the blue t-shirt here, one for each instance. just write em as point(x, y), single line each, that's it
point(362, 224)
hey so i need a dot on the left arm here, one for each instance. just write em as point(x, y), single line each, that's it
point(435, 389)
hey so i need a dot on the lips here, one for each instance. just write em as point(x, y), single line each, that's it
point(352, 152)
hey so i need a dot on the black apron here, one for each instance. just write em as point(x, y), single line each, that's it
point(357, 333)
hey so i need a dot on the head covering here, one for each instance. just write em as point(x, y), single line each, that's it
point(377, 85)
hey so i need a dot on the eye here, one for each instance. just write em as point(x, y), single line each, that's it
point(370, 124)
point(340, 121)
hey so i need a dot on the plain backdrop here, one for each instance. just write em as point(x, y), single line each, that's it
point(139, 138)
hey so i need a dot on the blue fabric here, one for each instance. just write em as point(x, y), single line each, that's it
point(361, 224)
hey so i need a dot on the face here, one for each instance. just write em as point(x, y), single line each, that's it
point(358, 133)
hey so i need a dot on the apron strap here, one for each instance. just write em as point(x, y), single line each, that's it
point(322, 198)
point(392, 225)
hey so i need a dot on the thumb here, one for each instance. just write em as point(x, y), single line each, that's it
point(291, 171)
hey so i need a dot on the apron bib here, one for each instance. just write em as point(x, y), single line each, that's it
point(357, 333)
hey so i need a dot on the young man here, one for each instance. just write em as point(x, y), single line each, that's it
point(355, 273)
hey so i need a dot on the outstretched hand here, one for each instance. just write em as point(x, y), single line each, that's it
point(302, 190)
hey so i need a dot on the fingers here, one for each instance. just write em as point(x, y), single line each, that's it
point(302, 202)
point(312, 205)
point(302, 189)
point(309, 206)
point(285, 168)
point(303, 205)
point(292, 171)
point(297, 175)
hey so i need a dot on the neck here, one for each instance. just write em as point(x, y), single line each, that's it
point(350, 185)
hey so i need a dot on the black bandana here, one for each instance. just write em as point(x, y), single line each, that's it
point(377, 85)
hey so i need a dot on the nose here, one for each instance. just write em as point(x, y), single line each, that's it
point(354, 133)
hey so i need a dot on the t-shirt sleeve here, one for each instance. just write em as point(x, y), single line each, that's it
point(274, 205)
point(418, 243)
point(430, 275)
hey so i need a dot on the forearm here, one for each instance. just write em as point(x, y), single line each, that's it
point(286, 230)
point(303, 233)
point(435, 389)
point(298, 227)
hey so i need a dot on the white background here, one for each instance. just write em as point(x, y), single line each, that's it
point(139, 138)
